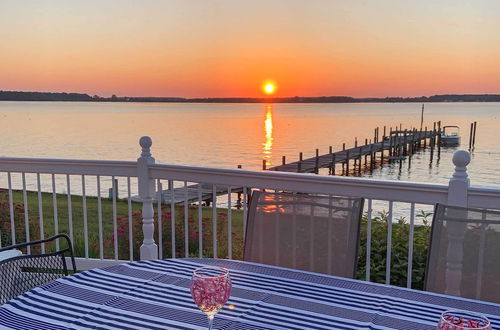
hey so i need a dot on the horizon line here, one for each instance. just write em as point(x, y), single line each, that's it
point(262, 98)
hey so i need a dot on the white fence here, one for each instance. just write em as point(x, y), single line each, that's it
point(104, 228)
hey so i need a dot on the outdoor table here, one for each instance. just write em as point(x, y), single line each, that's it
point(156, 294)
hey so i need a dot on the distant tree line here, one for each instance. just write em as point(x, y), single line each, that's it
point(42, 96)
point(45, 96)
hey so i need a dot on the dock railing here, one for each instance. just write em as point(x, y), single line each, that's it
point(67, 196)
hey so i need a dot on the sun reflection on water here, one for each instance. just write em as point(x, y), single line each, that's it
point(267, 146)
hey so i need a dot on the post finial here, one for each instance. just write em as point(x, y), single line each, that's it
point(459, 183)
point(145, 142)
point(461, 158)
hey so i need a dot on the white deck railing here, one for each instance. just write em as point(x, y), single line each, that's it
point(102, 227)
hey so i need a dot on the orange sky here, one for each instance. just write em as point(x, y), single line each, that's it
point(201, 48)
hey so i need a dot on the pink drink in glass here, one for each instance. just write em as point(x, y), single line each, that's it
point(463, 320)
point(210, 290)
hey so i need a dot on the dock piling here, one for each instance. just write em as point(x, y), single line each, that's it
point(474, 135)
point(470, 135)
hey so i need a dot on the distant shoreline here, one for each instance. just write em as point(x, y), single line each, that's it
point(80, 97)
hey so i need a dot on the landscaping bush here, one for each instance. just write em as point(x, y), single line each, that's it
point(19, 222)
point(399, 254)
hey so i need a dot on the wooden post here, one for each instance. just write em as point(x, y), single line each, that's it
point(384, 131)
point(343, 146)
point(372, 156)
point(149, 249)
point(330, 149)
point(410, 151)
point(359, 160)
point(300, 156)
point(382, 154)
point(366, 155)
point(347, 163)
point(317, 152)
point(431, 157)
point(390, 146)
point(355, 142)
point(474, 135)
point(333, 164)
point(422, 117)
point(264, 164)
point(439, 139)
point(405, 143)
point(470, 135)
point(425, 139)
point(283, 160)
point(113, 191)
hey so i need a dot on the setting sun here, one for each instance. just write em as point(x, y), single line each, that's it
point(269, 88)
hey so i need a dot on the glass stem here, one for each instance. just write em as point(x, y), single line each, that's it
point(210, 321)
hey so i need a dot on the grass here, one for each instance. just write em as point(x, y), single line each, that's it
point(122, 216)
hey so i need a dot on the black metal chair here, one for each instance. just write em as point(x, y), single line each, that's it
point(464, 252)
point(318, 233)
point(24, 272)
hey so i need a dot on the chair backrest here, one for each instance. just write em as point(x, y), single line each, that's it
point(317, 233)
point(464, 253)
point(24, 272)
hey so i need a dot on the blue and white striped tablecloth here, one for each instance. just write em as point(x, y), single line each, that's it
point(155, 295)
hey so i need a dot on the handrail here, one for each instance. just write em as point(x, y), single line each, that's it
point(400, 191)
point(68, 166)
point(356, 187)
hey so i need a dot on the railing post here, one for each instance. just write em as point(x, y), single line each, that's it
point(457, 196)
point(149, 249)
point(459, 182)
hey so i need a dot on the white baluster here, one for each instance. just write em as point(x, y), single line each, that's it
point(457, 196)
point(149, 249)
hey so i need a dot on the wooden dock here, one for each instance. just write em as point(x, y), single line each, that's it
point(394, 147)
point(194, 193)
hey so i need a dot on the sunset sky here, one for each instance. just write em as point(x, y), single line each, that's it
point(203, 48)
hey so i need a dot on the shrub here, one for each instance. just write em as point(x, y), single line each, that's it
point(19, 222)
point(399, 254)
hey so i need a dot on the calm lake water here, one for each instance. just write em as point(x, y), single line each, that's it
point(228, 135)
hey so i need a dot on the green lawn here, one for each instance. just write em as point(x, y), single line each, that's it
point(122, 215)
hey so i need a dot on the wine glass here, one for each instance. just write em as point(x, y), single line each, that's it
point(458, 320)
point(210, 290)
